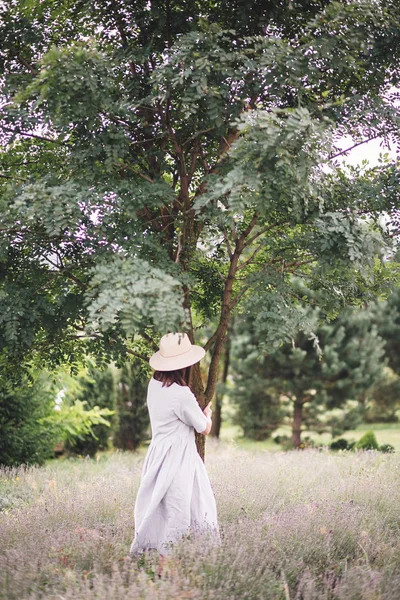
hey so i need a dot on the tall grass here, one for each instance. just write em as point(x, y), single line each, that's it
point(300, 525)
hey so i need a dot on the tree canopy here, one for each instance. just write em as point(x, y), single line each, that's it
point(167, 163)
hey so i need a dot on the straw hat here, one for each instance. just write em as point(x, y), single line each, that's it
point(176, 352)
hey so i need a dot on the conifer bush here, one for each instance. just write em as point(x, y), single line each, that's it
point(367, 442)
point(387, 448)
point(24, 437)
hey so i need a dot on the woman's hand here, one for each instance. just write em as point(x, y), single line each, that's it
point(207, 411)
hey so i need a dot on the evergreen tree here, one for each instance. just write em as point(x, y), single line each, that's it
point(24, 438)
point(387, 317)
point(351, 362)
point(384, 403)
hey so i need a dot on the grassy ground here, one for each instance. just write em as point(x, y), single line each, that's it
point(386, 433)
point(307, 525)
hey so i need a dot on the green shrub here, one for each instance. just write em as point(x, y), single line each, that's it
point(96, 389)
point(388, 448)
point(280, 439)
point(367, 442)
point(71, 424)
point(340, 444)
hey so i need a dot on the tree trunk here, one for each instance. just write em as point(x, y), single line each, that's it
point(297, 422)
point(197, 387)
point(217, 413)
point(216, 417)
point(206, 396)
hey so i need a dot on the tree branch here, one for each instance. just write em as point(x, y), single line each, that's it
point(227, 242)
point(23, 61)
point(259, 233)
point(220, 334)
point(69, 275)
point(121, 30)
point(33, 135)
point(145, 177)
point(193, 161)
point(197, 135)
point(141, 356)
point(355, 146)
point(211, 340)
point(178, 250)
point(299, 263)
point(238, 298)
point(227, 142)
point(64, 271)
point(248, 261)
point(249, 229)
point(150, 340)
point(111, 340)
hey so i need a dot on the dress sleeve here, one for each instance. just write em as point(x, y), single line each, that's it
point(188, 410)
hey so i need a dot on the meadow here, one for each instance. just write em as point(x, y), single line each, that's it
point(386, 433)
point(300, 525)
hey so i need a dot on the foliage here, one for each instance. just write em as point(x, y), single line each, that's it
point(384, 403)
point(387, 448)
point(259, 407)
point(315, 373)
point(151, 149)
point(342, 444)
point(387, 318)
point(95, 389)
point(32, 423)
point(25, 438)
point(133, 418)
point(75, 421)
point(367, 442)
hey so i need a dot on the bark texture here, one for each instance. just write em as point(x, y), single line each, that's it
point(217, 412)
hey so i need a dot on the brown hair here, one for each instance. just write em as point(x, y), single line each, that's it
point(179, 376)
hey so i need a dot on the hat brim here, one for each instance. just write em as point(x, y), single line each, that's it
point(181, 361)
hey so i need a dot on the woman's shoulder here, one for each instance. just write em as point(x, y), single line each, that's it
point(174, 389)
point(183, 393)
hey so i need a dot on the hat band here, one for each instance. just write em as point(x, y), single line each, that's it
point(175, 355)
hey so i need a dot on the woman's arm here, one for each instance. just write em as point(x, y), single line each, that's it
point(208, 413)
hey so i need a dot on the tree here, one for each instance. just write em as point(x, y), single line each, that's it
point(387, 318)
point(221, 388)
point(385, 400)
point(349, 362)
point(384, 403)
point(24, 438)
point(163, 161)
point(133, 419)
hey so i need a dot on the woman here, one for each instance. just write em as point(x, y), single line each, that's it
point(175, 494)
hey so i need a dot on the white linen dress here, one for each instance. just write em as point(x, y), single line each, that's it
point(175, 494)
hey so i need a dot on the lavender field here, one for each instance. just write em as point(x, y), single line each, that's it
point(299, 525)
